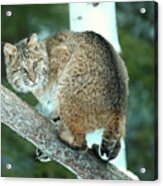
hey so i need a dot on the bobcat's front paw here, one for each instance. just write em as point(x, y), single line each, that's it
point(53, 115)
point(41, 156)
point(40, 109)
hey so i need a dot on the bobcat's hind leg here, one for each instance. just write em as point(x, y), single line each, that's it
point(75, 139)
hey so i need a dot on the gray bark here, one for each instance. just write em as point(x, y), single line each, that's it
point(38, 130)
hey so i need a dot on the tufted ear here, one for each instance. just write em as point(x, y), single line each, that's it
point(9, 49)
point(32, 40)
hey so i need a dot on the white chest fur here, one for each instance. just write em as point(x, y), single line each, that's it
point(48, 102)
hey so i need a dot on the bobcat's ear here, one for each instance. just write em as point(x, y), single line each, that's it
point(9, 49)
point(32, 40)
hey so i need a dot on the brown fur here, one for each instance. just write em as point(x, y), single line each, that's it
point(91, 84)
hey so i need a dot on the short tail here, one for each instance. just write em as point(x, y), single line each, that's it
point(108, 149)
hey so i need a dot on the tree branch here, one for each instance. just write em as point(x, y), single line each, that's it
point(29, 124)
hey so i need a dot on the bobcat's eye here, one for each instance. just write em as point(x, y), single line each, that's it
point(23, 70)
point(14, 71)
point(34, 64)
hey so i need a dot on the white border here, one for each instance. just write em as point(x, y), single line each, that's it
point(52, 182)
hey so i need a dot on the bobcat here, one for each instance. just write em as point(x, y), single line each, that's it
point(79, 79)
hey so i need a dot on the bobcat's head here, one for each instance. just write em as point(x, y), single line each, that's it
point(27, 64)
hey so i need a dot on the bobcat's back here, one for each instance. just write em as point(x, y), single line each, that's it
point(92, 90)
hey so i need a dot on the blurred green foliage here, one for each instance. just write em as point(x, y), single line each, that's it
point(27, 19)
point(140, 25)
point(136, 33)
point(140, 125)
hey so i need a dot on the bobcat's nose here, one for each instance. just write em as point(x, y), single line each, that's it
point(32, 76)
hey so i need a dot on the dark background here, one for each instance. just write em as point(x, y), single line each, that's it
point(137, 38)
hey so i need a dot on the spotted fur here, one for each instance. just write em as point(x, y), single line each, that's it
point(78, 78)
